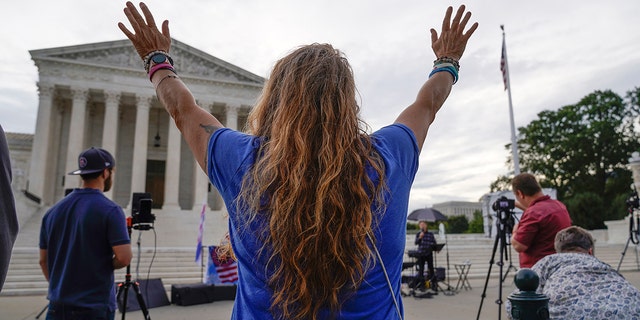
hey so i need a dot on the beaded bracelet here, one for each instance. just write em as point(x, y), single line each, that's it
point(444, 64)
point(147, 59)
point(453, 61)
point(451, 70)
point(160, 67)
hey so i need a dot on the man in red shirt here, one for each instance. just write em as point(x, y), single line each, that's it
point(533, 238)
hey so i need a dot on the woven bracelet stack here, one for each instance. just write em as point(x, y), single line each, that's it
point(446, 64)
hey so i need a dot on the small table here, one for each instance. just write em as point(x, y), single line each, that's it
point(463, 272)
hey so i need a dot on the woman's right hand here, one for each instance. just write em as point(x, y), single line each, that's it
point(147, 38)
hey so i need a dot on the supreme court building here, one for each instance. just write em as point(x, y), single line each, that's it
point(99, 95)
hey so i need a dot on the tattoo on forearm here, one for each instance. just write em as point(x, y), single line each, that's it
point(208, 128)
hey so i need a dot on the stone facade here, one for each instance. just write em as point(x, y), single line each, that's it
point(99, 95)
point(458, 208)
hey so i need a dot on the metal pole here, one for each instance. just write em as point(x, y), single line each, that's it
point(514, 142)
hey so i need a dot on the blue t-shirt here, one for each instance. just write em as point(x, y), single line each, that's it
point(78, 233)
point(231, 155)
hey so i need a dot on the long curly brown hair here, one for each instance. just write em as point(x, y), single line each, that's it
point(310, 183)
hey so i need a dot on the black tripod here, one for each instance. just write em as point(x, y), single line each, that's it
point(449, 291)
point(634, 234)
point(509, 228)
point(123, 288)
point(503, 224)
point(633, 203)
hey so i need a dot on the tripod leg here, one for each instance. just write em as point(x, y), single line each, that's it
point(486, 282)
point(503, 249)
point(123, 290)
point(42, 311)
point(511, 266)
point(623, 253)
point(143, 306)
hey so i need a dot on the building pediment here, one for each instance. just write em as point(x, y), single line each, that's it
point(120, 54)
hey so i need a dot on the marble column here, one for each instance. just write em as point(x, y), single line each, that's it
point(76, 135)
point(140, 145)
point(110, 127)
point(39, 173)
point(232, 117)
point(172, 169)
point(200, 188)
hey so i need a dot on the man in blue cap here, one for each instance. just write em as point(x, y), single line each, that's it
point(83, 239)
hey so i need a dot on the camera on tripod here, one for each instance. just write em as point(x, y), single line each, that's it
point(504, 211)
point(503, 204)
point(141, 216)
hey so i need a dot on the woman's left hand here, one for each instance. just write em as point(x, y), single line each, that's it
point(147, 38)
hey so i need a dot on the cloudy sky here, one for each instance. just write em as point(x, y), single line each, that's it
point(558, 51)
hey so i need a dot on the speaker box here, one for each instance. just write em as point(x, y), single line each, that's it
point(224, 292)
point(190, 294)
point(152, 292)
point(198, 293)
point(440, 274)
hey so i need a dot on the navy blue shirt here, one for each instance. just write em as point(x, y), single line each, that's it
point(426, 244)
point(78, 233)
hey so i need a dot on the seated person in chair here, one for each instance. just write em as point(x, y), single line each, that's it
point(425, 242)
point(579, 285)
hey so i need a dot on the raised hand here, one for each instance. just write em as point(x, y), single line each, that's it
point(453, 39)
point(147, 38)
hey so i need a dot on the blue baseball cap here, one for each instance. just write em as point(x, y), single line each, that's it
point(94, 160)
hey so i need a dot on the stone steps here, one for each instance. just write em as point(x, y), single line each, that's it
point(177, 266)
point(172, 265)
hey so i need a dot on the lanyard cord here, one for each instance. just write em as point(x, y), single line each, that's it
point(393, 295)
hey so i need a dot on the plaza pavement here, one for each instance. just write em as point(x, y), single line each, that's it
point(463, 305)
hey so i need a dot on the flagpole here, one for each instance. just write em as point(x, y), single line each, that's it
point(507, 80)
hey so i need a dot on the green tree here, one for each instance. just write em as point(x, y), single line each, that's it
point(581, 150)
point(477, 223)
point(586, 210)
point(457, 224)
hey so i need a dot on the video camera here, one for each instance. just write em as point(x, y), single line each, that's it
point(503, 204)
point(141, 216)
point(504, 212)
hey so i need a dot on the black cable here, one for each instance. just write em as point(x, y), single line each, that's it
point(153, 257)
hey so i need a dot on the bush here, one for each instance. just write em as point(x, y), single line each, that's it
point(477, 224)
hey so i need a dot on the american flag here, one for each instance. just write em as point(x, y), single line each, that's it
point(219, 272)
point(503, 64)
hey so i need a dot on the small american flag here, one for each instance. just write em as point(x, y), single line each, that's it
point(218, 271)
